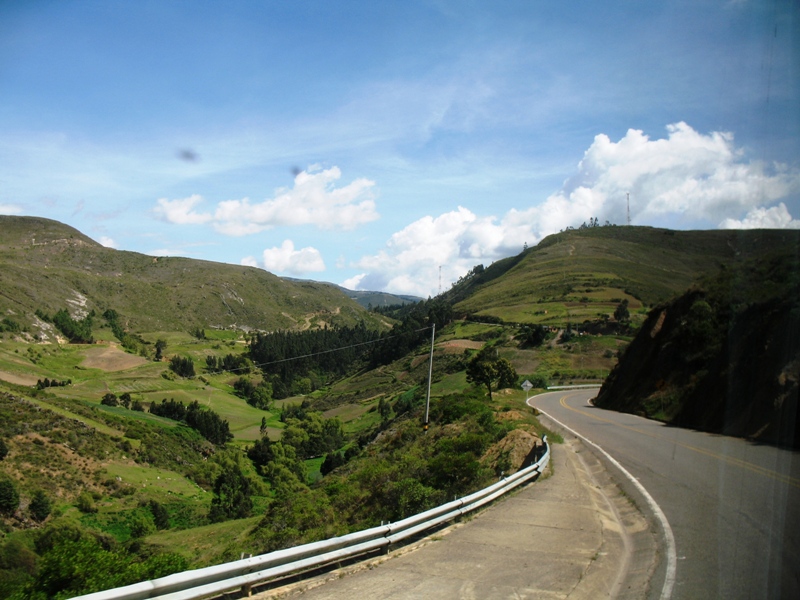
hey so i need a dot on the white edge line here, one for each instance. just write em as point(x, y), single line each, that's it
point(672, 561)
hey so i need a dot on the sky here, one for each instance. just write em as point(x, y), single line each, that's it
point(395, 145)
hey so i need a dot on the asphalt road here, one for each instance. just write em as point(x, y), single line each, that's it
point(733, 506)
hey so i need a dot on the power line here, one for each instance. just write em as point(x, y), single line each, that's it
point(282, 360)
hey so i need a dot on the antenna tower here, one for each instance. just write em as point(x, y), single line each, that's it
point(628, 194)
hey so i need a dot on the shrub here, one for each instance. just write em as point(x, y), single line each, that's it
point(40, 506)
point(9, 497)
point(85, 503)
point(3, 449)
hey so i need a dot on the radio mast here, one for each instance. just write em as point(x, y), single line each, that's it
point(628, 194)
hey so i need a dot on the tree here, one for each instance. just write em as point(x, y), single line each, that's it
point(161, 345)
point(109, 400)
point(40, 506)
point(231, 496)
point(125, 399)
point(621, 313)
point(9, 497)
point(385, 409)
point(160, 515)
point(506, 374)
point(532, 336)
point(481, 371)
point(261, 453)
point(3, 449)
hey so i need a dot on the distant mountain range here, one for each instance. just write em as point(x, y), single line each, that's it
point(369, 299)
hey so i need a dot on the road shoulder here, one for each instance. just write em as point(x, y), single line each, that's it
point(572, 534)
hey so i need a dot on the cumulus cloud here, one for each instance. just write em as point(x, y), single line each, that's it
point(181, 212)
point(688, 178)
point(313, 200)
point(107, 242)
point(285, 259)
point(777, 217)
point(10, 209)
point(696, 178)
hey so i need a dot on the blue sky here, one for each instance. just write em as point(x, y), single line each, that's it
point(372, 143)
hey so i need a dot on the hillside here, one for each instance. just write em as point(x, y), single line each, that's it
point(581, 274)
point(177, 444)
point(47, 266)
point(723, 357)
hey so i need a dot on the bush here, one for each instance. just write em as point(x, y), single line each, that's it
point(9, 497)
point(85, 503)
point(3, 449)
point(109, 400)
point(40, 506)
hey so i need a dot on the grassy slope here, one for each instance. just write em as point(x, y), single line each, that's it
point(580, 274)
point(46, 265)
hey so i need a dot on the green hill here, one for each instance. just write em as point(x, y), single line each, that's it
point(48, 266)
point(582, 274)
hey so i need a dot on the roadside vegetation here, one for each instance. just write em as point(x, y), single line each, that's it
point(133, 444)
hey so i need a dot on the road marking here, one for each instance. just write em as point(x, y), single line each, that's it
point(737, 462)
point(669, 577)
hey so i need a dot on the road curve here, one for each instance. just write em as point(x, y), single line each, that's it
point(733, 506)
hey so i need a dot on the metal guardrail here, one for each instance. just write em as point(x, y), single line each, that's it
point(247, 572)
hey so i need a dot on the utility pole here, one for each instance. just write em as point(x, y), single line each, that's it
point(628, 194)
point(430, 375)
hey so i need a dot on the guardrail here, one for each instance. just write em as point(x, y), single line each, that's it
point(247, 572)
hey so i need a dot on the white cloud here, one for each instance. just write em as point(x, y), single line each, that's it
point(455, 241)
point(353, 282)
point(314, 200)
point(285, 259)
point(107, 242)
point(10, 209)
point(777, 217)
point(181, 211)
point(688, 177)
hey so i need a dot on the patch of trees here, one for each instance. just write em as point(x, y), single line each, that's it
point(46, 383)
point(233, 363)
point(532, 336)
point(258, 394)
point(309, 433)
point(182, 366)
point(10, 325)
point(314, 354)
point(232, 495)
point(76, 331)
point(411, 332)
point(110, 399)
point(65, 560)
point(204, 420)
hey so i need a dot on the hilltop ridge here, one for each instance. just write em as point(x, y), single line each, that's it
point(46, 265)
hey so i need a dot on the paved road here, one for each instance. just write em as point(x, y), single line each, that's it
point(733, 506)
point(571, 534)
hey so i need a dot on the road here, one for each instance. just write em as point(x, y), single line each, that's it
point(732, 506)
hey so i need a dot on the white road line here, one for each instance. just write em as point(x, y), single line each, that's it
point(672, 561)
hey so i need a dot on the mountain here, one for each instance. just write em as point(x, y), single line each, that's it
point(46, 266)
point(580, 274)
point(369, 299)
point(723, 357)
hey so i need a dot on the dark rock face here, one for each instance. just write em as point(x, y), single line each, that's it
point(724, 357)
